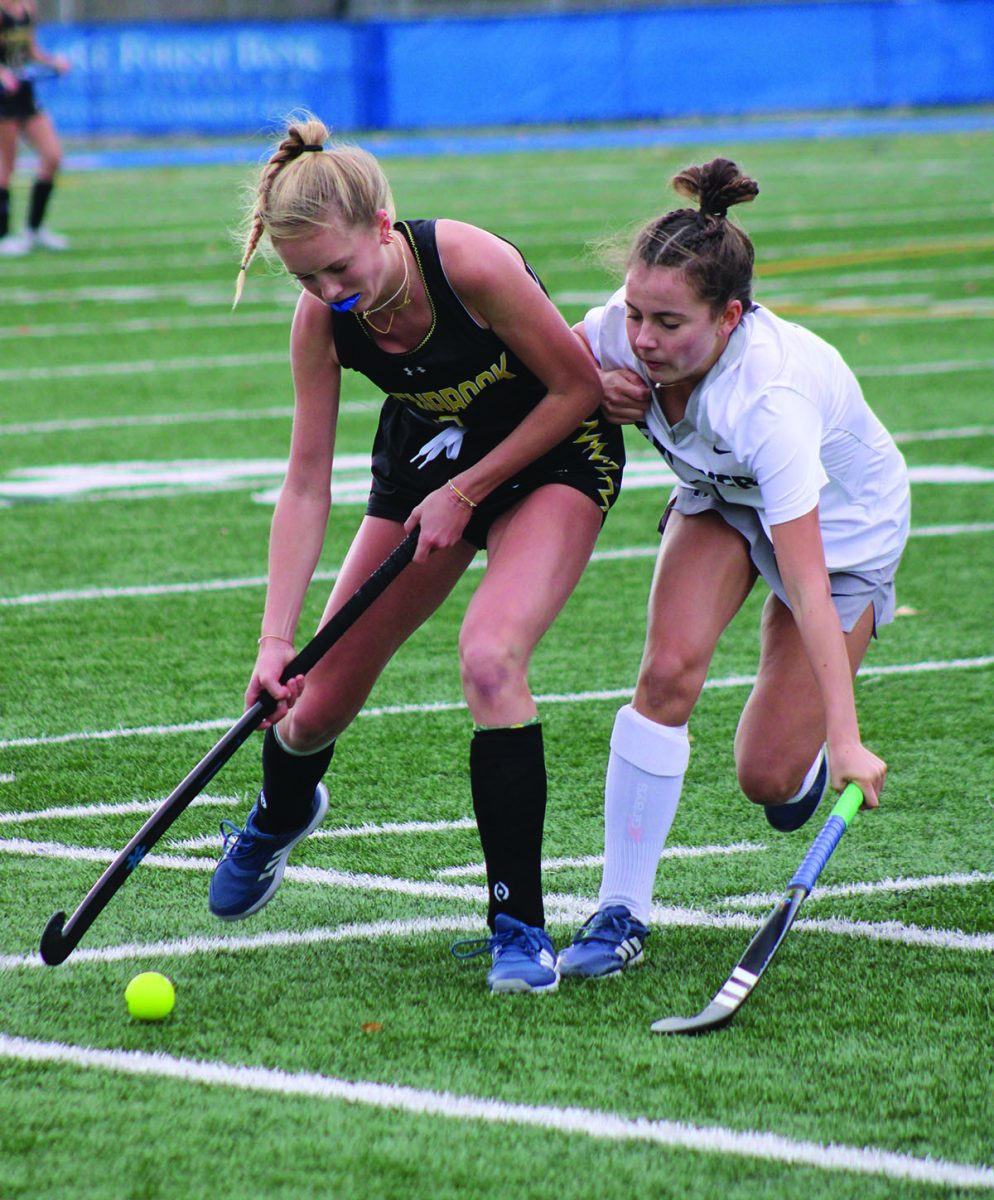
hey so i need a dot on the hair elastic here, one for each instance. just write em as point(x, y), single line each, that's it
point(312, 146)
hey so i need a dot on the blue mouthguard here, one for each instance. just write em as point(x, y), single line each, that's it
point(347, 304)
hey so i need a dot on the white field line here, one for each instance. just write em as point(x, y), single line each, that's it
point(952, 530)
point(232, 584)
point(560, 908)
point(939, 367)
point(604, 1126)
point(215, 362)
point(123, 253)
point(156, 420)
point(898, 931)
point(440, 706)
point(235, 944)
point(878, 931)
point(126, 808)
point(155, 325)
point(196, 295)
point(597, 860)
point(194, 587)
point(145, 366)
point(324, 876)
point(280, 412)
point(275, 289)
point(387, 828)
point(922, 883)
point(776, 295)
point(561, 911)
point(145, 481)
point(966, 432)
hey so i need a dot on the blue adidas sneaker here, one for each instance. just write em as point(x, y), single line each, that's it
point(523, 957)
point(788, 817)
point(608, 942)
point(253, 862)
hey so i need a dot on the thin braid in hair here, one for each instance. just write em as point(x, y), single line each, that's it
point(292, 146)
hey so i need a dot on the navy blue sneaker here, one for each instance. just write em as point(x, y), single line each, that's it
point(608, 942)
point(523, 957)
point(253, 862)
point(788, 817)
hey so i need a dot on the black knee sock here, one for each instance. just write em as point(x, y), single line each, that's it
point(4, 211)
point(288, 783)
point(41, 191)
point(507, 772)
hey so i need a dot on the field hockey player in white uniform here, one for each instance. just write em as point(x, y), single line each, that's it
point(784, 473)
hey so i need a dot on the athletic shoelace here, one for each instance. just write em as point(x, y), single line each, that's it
point(230, 833)
point(526, 934)
point(603, 928)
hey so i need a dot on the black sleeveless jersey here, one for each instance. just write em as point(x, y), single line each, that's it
point(459, 373)
point(15, 40)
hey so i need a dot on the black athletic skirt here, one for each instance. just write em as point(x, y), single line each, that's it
point(590, 460)
point(19, 105)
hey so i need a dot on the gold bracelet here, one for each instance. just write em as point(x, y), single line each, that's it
point(460, 496)
point(277, 637)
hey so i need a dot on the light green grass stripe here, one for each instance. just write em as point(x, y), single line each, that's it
point(440, 706)
point(606, 1126)
point(211, 362)
point(235, 583)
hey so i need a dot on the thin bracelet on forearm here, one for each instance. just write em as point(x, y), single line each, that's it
point(277, 637)
point(460, 496)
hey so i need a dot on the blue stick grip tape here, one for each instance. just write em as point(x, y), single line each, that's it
point(819, 854)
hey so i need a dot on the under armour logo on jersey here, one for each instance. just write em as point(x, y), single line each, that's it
point(501, 892)
point(414, 370)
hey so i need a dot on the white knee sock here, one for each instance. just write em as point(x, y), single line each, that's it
point(644, 780)
point(809, 780)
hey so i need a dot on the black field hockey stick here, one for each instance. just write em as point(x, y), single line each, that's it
point(61, 937)
point(738, 987)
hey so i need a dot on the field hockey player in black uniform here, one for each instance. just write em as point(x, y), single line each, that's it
point(489, 438)
point(21, 116)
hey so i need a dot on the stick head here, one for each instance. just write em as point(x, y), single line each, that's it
point(54, 947)
point(715, 1016)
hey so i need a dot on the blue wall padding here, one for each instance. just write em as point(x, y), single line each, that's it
point(609, 66)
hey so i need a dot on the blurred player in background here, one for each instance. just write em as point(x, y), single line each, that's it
point(21, 116)
point(785, 473)
point(489, 438)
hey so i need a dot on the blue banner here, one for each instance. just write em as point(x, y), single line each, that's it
point(610, 66)
point(206, 79)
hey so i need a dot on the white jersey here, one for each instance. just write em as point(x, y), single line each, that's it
point(779, 424)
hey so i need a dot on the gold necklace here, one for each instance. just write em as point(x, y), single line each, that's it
point(405, 287)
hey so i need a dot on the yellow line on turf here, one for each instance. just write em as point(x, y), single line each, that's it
point(817, 262)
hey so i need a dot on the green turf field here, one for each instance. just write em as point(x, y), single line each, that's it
point(330, 1046)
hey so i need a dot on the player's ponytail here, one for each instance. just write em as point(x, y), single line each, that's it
point(303, 185)
point(716, 256)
